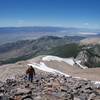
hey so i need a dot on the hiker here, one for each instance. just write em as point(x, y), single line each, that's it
point(30, 72)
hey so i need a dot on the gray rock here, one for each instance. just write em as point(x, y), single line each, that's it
point(92, 96)
point(55, 86)
point(76, 98)
point(37, 98)
point(21, 91)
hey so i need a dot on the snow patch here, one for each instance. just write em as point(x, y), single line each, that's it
point(45, 68)
point(42, 67)
point(97, 84)
point(52, 58)
point(70, 61)
point(78, 63)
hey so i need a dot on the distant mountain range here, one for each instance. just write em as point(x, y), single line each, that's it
point(12, 34)
point(20, 43)
point(20, 50)
point(44, 29)
point(68, 46)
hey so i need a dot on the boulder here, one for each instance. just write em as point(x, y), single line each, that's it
point(21, 91)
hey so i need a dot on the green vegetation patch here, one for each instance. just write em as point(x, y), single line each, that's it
point(68, 50)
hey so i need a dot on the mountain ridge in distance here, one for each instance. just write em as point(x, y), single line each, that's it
point(68, 46)
point(36, 47)
point(12, 34)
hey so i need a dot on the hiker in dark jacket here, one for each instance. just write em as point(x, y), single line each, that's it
point(30, 72)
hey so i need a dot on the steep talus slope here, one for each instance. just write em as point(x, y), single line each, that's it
point(48, 87)
point(89, 58)
point(90, 53)
point(56, 79)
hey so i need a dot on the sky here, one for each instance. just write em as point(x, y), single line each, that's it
point(64, 13)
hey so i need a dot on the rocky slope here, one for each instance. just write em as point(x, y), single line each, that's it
point(48, 87)
point(60, 82)
point(90, 52)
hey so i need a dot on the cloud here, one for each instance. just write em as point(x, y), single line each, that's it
point(88, 33)
point(86, 24)
point(20, 22)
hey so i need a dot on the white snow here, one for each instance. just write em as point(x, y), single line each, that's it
point(97, 84)
point(78, 63)
point(43, 67)
point(70, 61)
point(52, 58)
